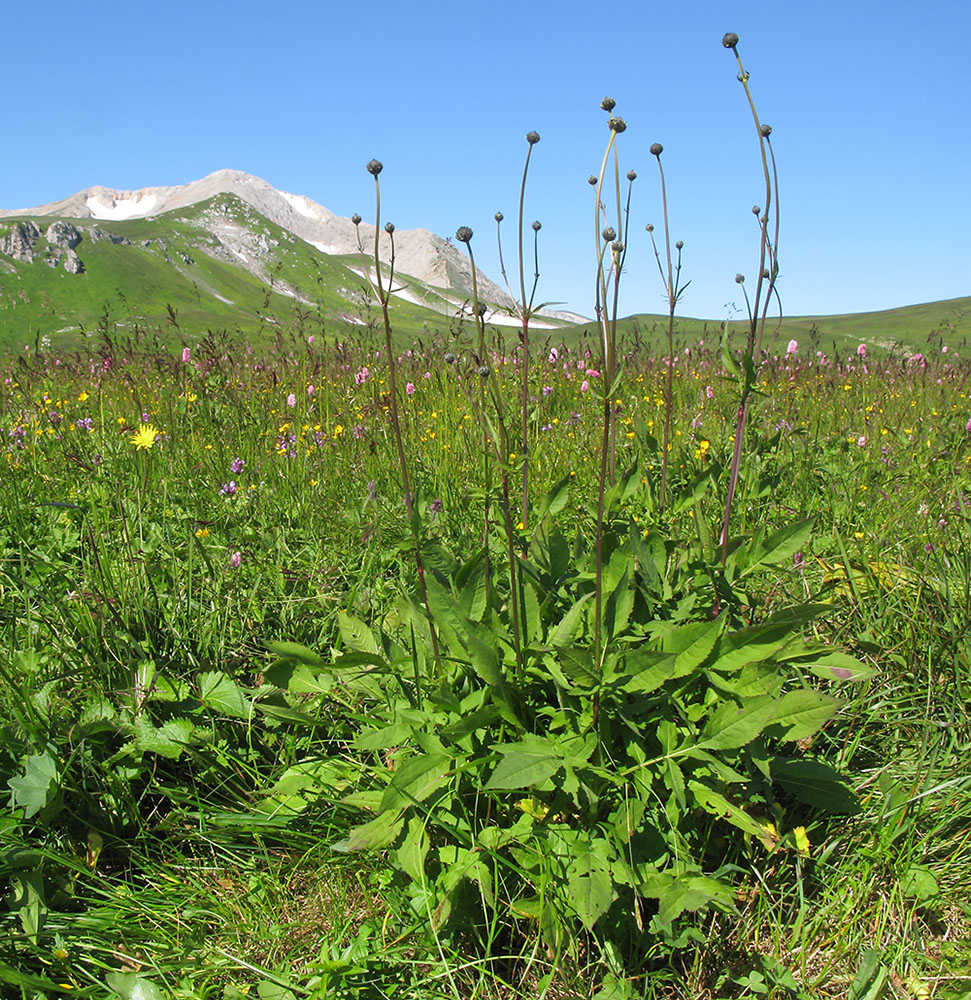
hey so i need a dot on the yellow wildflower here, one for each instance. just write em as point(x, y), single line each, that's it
point(144, 437)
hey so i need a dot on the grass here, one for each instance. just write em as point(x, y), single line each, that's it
point(117, 573)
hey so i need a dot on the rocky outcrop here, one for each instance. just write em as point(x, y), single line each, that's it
point(19, 241)
point(94, 234)
point(63, 234)
point(73, 263)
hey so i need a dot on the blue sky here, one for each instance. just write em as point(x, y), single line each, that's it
point(868, 100)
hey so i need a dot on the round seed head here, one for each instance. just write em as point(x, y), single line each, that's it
point(739, 279)
point(449, 358)
point(650, 227)
point(730, 40)
point(656, 149)
point(463, 234)
point(609, 234)
point(632, 175)
point(356, 219)
point(592, 181)
point(483, 371)
point(375, 167)
point(389, 228)
point(537, 226)
point(765, 131)
point(679, 245)
point(532, 138)
point(765, 273)
point(617, 125)
point(482, 309)
point(617, 246)
point(608, 104)
point(756, 209)
point(498, 216)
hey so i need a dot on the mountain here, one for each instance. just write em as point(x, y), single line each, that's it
point(223, 251)
point(418, 253)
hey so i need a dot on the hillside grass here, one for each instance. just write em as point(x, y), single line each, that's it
point(163, 835)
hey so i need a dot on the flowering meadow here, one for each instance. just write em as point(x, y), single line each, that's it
point(234, 733)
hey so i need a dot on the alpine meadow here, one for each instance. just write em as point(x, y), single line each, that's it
point(371, 630)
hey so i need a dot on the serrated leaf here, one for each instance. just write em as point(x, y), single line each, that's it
point(731, 727)
point(355, 634)
point(779, 546)
point(37, 786)
point(415, 780)
point(523, 770)
point(692, 644)
point(220, 693)
point(802, 713)
point(814, 783)
point(295, 651)
point(131, 986)
point(716, 803)
point(569, 626)
point(379, 832)
point(286, 714)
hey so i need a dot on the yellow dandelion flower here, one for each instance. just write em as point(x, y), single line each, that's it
point(144, 437)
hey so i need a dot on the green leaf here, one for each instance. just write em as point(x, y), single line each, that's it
point(589, 887)
point(692, 644)
point(779, 546)
point(286, 714)
point(814, 783)
point(26, 899)
point(37, 786)
point(871, 979)
point(676, 894)
point(355, 634)
point(645, 670)
point(801, 713)
point(414, 848)
point(523, 770)
point(131, 986)
point(716, 803)
point(384, 738)
point(220, 693)
point(294, 651)
point(731, 727)
point(839, 667)
point(569, 626)
point(415, 780)
point(484, 660)
point(379, 832)
point(918, 882)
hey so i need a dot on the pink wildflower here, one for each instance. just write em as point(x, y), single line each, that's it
point(235, 559)
point(186, 355)
point(291, 400)
point(793, 347)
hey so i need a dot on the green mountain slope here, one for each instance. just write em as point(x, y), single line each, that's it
point(217, 265)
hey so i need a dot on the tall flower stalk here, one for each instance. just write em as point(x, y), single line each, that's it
point(525, 310)
point(765, 288)
point(674, 290)
point(611, 251)
point(383, 296)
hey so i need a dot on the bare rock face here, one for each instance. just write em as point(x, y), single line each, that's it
point(19, 241)
point(73, 263)
point(63, 234)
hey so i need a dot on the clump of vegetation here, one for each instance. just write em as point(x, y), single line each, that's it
point(388, 669)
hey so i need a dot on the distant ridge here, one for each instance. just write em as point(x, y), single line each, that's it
point(418, 252)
